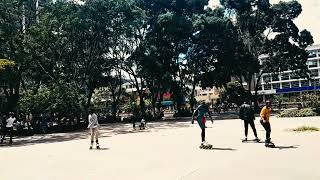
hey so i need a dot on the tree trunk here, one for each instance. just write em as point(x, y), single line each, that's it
point(142, 104)
point(192, 99)
point(88, 105)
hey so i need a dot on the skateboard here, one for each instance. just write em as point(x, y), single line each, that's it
point(207, 146)
point(251, 140)
point(270, 145)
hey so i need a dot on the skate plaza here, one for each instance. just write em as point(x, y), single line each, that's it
point(168, 150)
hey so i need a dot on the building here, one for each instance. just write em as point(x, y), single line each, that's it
point(290, 84)
point(208, 95)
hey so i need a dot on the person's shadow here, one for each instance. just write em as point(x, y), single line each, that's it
point(101, 149)
point(223, 149)
point(285, 147)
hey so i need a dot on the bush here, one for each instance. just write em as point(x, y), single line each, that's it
point(307, 112)
point(305, 128)
point(317, 108)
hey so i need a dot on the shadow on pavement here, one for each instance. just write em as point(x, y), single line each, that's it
point(223, 149)
point(286, 147)
point(106, 130)
point(101, 149)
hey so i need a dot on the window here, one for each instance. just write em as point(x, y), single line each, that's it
point(305, 83)
point(266, 78)
point(313, 63)
point(312, 54)
point(314, 73)
point(275, 77)
point(285, 76)
point(315, 82)
point(295, 76)
point(267, 86)
point(295, 84)
point(276, 86)
point(285, 85)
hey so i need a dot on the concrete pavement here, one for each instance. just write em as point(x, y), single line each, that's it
point(167, 151)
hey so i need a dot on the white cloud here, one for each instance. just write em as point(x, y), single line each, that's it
point(309, 19)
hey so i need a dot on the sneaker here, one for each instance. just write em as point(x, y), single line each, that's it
point(98, 146)
point(90, 147)
point(204, 143)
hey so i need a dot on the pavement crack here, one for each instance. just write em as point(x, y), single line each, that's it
point(188, 174)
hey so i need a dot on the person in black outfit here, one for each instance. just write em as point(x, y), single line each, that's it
point(247, 115)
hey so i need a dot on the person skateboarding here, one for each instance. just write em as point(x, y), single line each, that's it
point(93, 126)
point(202, 110)
point(265, 122)
point(246, 113)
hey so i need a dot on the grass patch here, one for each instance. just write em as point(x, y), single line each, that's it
point(305, 129)
point(307, 112)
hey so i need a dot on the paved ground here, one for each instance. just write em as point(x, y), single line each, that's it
point(167, 151)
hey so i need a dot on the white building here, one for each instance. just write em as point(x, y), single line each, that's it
point(289, 83)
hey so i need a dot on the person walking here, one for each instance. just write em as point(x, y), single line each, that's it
point(202, 110)
point(246, 113)
point(9, 128)
point(93, 126)
point(265, 122)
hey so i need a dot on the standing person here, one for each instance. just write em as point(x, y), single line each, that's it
point(94, 128)
point(202, 110)
point(265, 122)
point(9, 128)
point(246, 113)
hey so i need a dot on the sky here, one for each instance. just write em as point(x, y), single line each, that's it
point(309, 18)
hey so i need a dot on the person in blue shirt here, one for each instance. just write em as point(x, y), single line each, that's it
point(202, 110)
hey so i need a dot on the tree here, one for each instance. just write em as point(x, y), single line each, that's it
point(235, 93)
point(170, 27)
point(269, 29)
point(215, 54)
point(4, 63)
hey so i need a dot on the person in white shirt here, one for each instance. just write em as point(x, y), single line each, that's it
point(93, 126)
point(9, 128)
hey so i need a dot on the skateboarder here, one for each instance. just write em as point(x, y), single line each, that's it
point(9, 128)
point(265, 122)
point(94, 128)
point(202, 110)
point(246, 113)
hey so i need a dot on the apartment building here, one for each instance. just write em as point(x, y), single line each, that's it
point(291, 84)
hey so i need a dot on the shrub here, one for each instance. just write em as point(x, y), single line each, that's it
point(317, 108)
point(305, 128)
point(307, 112)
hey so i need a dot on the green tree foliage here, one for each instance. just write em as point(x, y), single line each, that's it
point(234, 93)
point(4, 63)
point(270, 29)
point(64, 50)
point(63, 100)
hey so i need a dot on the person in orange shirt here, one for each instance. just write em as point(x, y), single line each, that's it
point(265, 117)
